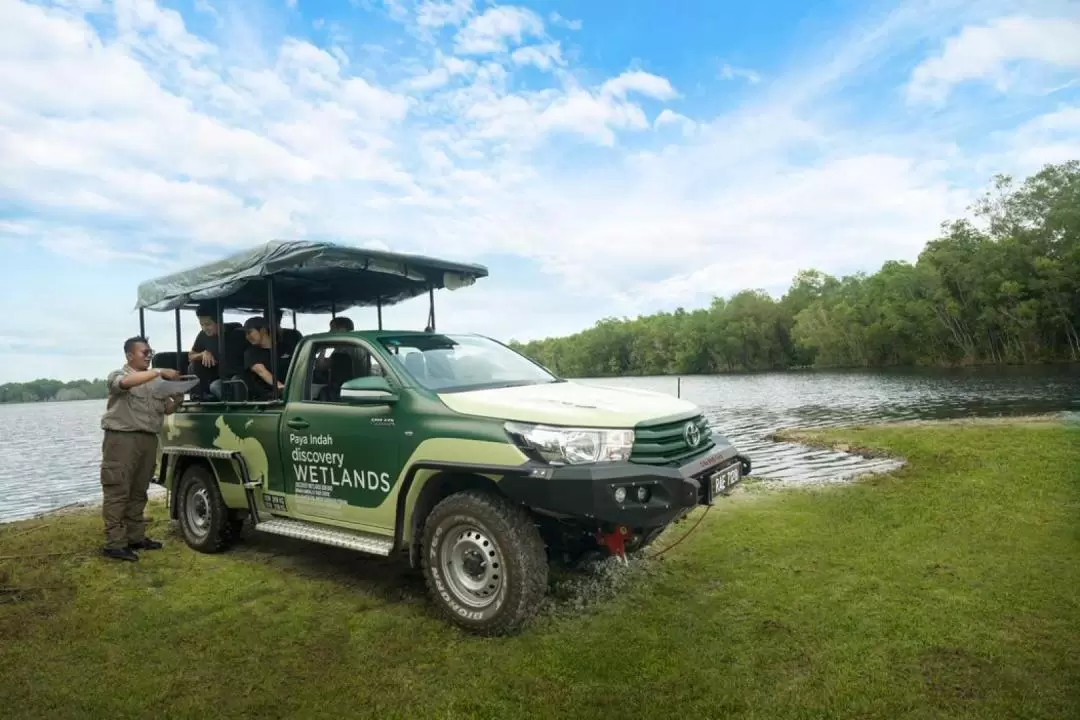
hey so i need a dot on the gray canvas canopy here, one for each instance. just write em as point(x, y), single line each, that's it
point(307, 277)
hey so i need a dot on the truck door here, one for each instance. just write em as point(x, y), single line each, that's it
point(340, 458)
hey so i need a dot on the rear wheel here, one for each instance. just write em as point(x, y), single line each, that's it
point(484, 563)
point(205, 520)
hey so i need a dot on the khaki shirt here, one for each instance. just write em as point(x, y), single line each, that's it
point(134, 409)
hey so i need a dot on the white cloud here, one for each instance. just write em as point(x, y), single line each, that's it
point(544, 57)
point(729, 72)
point(491, 31)
point(1053, 137)
point(670, 117)
point(437, 14)
point(446, 69)
point(88, 125)
point(526, 118)
point(640, 82)
point(988, 52)
point(559, 20)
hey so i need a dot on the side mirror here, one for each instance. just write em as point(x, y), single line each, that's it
point(374, 390)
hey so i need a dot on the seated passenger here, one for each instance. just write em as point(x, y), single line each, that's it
point(287, 338)
point(341, 370)
point(341, 324)
point(322, 359)
point(206, 358)
point(262, 385)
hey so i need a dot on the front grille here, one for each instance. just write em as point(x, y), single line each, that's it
point(665, 444)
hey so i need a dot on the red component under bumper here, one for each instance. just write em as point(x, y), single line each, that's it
point(615, 542)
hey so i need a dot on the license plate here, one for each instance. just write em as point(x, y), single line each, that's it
point(721, 481)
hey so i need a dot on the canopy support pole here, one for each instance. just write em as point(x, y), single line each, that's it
point(219, 318)
point(333, 309)
point(378, 309)
point(270, 318)
point(179, 341)
point(293, 319)
point(142, 323)
point(431, 308)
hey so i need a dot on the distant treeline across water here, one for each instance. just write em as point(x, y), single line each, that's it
point(46, 390)
point(1002, 290)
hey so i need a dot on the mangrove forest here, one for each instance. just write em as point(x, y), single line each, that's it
point(1001, 288)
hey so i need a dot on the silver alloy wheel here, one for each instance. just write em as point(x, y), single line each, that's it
point(472, 564)
point(197, 512)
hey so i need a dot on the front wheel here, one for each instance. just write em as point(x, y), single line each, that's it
point(204, 518)
point(484, 563)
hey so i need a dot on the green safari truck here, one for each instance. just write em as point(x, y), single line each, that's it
point(474, 463)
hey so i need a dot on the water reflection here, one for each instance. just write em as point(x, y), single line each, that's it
point(50, 451)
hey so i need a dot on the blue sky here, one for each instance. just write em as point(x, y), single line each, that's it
point(602, 158)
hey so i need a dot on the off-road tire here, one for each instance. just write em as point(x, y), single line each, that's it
point(219, 530)
point(523, 565)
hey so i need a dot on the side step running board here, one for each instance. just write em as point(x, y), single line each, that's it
point(352, 540)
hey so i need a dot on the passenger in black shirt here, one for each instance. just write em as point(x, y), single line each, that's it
point(207, 359)
point(257, 362)
point(287, 338)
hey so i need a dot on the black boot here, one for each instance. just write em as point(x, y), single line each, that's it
point(145, 544)
point(119, 554)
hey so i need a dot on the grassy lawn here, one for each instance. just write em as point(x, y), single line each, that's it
point(948, 589)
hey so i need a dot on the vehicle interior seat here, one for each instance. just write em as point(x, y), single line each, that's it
point(341, 370)
point(234, 389)
point(416, 364)
point(170, 359)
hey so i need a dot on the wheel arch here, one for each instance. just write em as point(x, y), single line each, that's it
point(437, 486)
point(441, 480)
point(178, 460)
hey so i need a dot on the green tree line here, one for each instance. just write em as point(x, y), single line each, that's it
point(1002, 289)
point(46, 390)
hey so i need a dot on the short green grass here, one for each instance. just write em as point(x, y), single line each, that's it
point(948, 589)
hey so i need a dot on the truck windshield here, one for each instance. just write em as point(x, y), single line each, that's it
point(463, 362)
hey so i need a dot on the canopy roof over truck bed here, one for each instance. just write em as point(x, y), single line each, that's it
point(308, 277)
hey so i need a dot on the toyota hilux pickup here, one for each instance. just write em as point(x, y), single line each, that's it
point(474, 463)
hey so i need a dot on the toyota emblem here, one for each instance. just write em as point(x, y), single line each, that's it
point(692, 434)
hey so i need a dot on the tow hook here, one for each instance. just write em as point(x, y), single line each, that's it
point(615, 541)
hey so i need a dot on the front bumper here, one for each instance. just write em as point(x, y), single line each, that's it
point(587, 492)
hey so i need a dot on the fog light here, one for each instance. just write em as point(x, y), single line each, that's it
point(642, 493)
point(620, 495)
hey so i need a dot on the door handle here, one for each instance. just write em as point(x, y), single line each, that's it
point(297, 423)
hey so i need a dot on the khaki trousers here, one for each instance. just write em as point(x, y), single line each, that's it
point(127, 463)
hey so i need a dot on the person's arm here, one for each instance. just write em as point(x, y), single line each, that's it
point(196, 351)
point(255, 364)
point(260, 370)
point(201, 353)
point(204, 356)
point(121, 382)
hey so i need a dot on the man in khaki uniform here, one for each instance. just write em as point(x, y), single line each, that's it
point(132, 419)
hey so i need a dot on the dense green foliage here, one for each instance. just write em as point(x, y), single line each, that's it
point(1004, 290)
point(45, 390)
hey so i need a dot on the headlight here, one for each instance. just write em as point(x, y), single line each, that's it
point(572, 446)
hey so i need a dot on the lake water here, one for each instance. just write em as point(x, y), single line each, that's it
point(49, 452)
